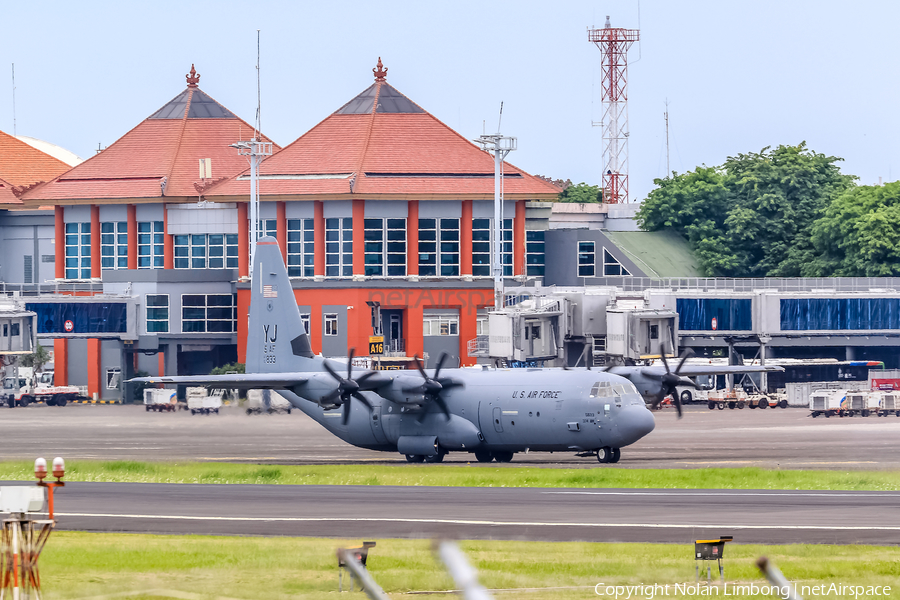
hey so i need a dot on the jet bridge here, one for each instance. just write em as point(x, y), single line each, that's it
point(532, 329)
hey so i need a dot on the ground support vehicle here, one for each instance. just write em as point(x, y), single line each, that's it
point(768, 401)
point(874, 400)
point(199, 403)
point(827, 402)
point(890, 403)
point(727, 398)
point(257, 404)
point(53, 395)
point(854, 404)
point(160, 400)
point(690, 395)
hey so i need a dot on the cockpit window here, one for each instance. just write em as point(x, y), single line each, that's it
point(602, 389)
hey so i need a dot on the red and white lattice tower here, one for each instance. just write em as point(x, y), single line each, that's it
point(614, 43)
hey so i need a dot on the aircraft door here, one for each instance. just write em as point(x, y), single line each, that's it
point(498, 424)
point(375, 420)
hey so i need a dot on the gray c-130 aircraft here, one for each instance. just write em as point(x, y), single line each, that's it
point(493, 413)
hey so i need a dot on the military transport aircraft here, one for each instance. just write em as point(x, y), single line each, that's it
point(492, 413)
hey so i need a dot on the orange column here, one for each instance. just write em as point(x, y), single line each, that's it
point(465, 239)
point(519, 239)
point(318, 239)
point(415, 314)
point(243, 309)
point(468, 319)
point(169, 241)
point(315, 326)
point(161, 357)
point(61, 361)
point(93, 366)
point(95, 241)
point(132, 237)
point(59, 235)
point(412, 238)
point(359, 230)
point(281, 228)
point(243, 241)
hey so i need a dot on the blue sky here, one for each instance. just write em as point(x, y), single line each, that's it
point(738, 76)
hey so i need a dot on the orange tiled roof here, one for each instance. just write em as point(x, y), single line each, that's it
point(21, 164)
point(6, 193)
point(160, 156)
point(382, 143)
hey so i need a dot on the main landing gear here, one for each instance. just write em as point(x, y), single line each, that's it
point(501, 456)
point(608, 455)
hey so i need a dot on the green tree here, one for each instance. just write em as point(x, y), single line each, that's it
point(229, 368)
point(582, 193)
point(752, 216)
point(36, 359)
point(859, 235)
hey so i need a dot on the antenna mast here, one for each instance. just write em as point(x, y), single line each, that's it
point(255, 150)
point(614, 43)
point(666, 114)
point(14, 97)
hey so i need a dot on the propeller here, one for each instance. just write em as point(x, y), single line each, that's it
point(669, 380)
point(433, 386)
point(347, 388)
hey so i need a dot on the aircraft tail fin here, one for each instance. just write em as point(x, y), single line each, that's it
point(276, 338)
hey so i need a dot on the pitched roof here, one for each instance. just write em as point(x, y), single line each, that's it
point(6, 193)
point(383, 143)
point(23, 165)
point(160, 156)
point(658, 253)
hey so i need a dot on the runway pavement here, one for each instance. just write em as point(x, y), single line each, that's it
point(372, 512)
point(782, 438)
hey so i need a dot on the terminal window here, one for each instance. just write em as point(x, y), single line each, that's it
point(151, 245)
point(157, 313)
point(440, 325)
point(339, 247)
point(114, 245)
point(439, 247)
point(208, 313)
point(587, 259)
point(78, 250)
point(534, 253)
point(300, 248)
point(482, 235)
point(331, 324)
point(385, 247)
point(829, 314)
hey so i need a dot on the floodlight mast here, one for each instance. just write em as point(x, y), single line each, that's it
point(500, 146)
point(255, 150)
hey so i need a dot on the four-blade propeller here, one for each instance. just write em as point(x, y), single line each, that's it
point(432, 387)
point(347, 388)
point(670, 380)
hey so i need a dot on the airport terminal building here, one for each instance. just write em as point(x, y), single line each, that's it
point(137, 258)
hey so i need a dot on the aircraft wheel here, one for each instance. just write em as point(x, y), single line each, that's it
point(439, 457)
point(604, 455)
point(615, 455)
point(763, 403)
point(712, 405)
point(721, 405)
point(483, 456)
point(732, 405)
point(414, 458)
point(740, 405)
point(686, 397)
point(503, 456)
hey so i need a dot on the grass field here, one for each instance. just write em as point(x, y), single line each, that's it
point(81, 565)
point(468, 476)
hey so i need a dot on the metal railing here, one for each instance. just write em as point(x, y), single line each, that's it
point(37, 289)
point(478, 347)
point(779, 284)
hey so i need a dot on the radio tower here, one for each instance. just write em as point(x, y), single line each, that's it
point(614, 44)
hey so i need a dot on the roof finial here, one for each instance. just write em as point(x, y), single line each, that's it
point(379, 73)
point(193, 78)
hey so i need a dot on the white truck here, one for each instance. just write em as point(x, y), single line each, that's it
point(36, 388)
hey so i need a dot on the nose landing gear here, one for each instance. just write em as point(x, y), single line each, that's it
point(608, 455)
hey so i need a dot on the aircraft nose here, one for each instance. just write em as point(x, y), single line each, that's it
point(637, 422)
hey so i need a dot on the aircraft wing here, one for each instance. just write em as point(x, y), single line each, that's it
point(233, 381)
point(694, 370)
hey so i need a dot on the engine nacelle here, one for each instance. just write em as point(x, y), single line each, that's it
point(395, 391)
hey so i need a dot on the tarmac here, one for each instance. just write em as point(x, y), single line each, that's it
point(771, 438)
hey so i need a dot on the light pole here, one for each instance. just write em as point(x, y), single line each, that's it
point(500, 146)
point(255, 150)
